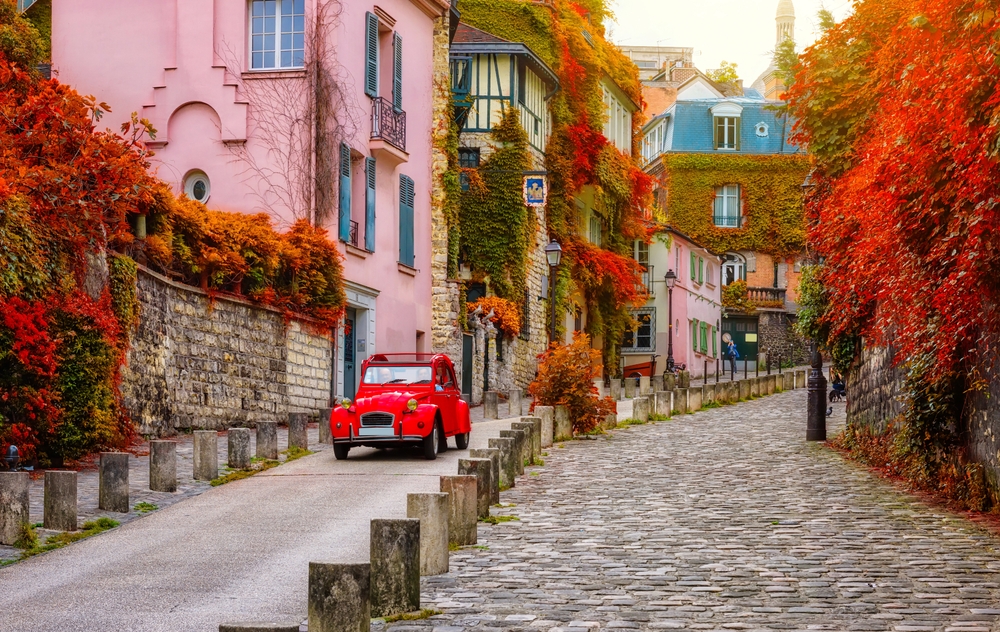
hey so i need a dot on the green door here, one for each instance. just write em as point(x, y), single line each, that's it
point(743, 330)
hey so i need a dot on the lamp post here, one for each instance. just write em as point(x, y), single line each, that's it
point(553, 253)
point(670, 279)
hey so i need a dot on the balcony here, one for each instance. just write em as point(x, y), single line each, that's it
point(388, 141)
point(647, 280)
point(767, 297)
point(728, 221)
point(461, 87)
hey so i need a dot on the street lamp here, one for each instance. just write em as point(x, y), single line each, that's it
point(670, 279)
point(553, 253)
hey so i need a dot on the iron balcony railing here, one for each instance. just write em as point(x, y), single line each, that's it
point(728, 221)
point(388, 123)
point(647, 280)
point(353, 239)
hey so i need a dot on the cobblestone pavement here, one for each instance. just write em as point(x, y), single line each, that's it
point(88, 480)
point(720, 520)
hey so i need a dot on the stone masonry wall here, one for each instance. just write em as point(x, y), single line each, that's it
point(197, 362)
point(777, 337)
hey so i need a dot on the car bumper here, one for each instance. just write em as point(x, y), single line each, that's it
point(381, 434)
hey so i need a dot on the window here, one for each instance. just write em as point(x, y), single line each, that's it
point(703, 326)
point(708, 274)
point(595, 229)
point(734, 269)
point(370, 204)
point(640, 252)
point(344, 206)
point(644, 337)
point(726, 213)
point(277, 34)
point(468, 158)
point(406, 198)
point(371, 54)
point(727, 132)
point(694, 267)
point(197, 186)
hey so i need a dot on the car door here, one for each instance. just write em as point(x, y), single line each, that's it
point(445, 396)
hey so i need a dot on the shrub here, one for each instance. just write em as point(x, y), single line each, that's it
point(566, 376)
point(735, 297)
point(506, 314)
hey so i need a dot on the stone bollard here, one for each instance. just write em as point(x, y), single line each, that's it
point(772, 381)
point(547, 415)
point(529, 439)
point(563, 430)
point(630, 384)
point(640, 408)
point(616, 389)
point(664, 403)
point(259, 627)
point(514, 402)
point(112, 489)
point(493, 455)
point(684, 379)
point(610, 421)
point(482, 469)
point(536, 435)
point(707, 394)
point(800, 379)
point(339, 597)
point(239, 448)
point(656, 384)
point(744, 390)
point(325, 434)
point(395, 564)
point(694, 399)
point(432, 512)
point(789, 379)
point(298, 430)
point(163, 466)
point(206, 455)
point(267, 440)
point(644, 386)
point(669, 382)
point(508, 461)
point(779, 382)
point(60, 501)
point(491, 405)
point(754, 386)
point(681, 400)
point(520, 445)
point(13, 506)
point(463, 508)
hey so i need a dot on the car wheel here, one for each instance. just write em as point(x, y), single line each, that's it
point(442, 439)
point(340, 450)
point(462, 440)
point(430, 444)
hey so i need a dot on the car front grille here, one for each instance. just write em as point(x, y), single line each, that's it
point(377, 419)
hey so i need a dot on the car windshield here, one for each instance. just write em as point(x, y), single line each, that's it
point(399, 374)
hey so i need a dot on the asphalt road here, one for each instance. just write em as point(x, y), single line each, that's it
point(236, 552)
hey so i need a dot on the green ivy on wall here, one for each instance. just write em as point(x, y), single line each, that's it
point(771, 200)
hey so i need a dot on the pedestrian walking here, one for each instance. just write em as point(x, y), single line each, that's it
point(734, 355)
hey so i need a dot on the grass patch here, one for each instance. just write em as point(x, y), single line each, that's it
point(655, 417)
point(238, 475)
point(503, 506)
point(27, 539)
point(426, 613)
point(545, 453)
point(711, 405)
point(481, 547)
point(296, 453)
point(145, 507)
point(539, 462)
point(37, 525)
point(631, 422)
point(90, 528)
point(533, 473)
point(499, 519)
point(453, 547)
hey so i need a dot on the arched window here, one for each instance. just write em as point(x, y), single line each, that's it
point(734, 269)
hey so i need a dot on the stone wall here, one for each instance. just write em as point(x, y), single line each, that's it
point(201, 362)
point(776, 336)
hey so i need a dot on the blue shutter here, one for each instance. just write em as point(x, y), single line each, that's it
point(397, 72)
point(371, 54)
point(345, 192)
point(406, 255)
point(370, 204)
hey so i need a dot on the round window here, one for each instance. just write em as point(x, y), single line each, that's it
point(197, 186)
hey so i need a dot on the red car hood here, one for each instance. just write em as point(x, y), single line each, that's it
point(392, 401)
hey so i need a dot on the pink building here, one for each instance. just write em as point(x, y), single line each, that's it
point(299, 108)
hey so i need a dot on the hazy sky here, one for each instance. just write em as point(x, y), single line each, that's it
point(740, 31)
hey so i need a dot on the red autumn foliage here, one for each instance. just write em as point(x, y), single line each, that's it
point(600, 270)
point(900, 106)
point(566, 376)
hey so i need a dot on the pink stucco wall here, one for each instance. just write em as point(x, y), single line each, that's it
point(183, 64)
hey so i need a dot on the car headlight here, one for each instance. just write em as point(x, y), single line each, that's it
point(346, 403)
point(411, 405)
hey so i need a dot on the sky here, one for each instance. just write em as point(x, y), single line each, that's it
point(740, 31)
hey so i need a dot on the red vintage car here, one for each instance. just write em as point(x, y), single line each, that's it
point(404, 399)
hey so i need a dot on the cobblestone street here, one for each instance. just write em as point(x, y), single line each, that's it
point(724, 519)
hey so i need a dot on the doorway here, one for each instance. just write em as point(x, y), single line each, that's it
point(743, 330)
point(350, 383)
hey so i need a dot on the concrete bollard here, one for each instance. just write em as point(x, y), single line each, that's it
point(259, 627)
point(163, 466)
point(669, 382)
point(681, 400)
point(644, 386)
point(629, 384)
point(640, 408)
point(325, 434)
point(684, 379)
point(779, 382)
point(514, 402)
point(656, 384)
point(482, 469)
point(707, 394)
point(493, 455)
point(339, 597)
point(664, 403)
point(239, 448)
point(491, 405)
point(432, 511)
point(298, 430)
point(536, 435)
point(789, 384)
point(463, 508)
point(395, 565)
point(547, 415)
point(520, 445)
point(206, 455)
point(754, 386)
point(529, 439)
point(744, 390)
point(59, 512)
point(610, 421)
point(112, 488)
point(563, 429)
point(508, 461)
point(800, 379)
point(267, 440)
point(616, 389)
point(772, 381)
point(13, 506)
point(694, 399)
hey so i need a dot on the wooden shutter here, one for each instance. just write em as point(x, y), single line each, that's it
point(370, 204)
point(714, 333)
point(397, 72)
point(371, 54)
point(406, 254)
point(345, 193)
point(701, 270)
point(694, 334)
point(694, 267)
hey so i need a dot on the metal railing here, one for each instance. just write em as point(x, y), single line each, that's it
point(388, 123)
point(353, 239)
point(647, 280)
point(728, 221)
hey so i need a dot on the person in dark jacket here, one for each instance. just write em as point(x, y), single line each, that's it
point(733, 356)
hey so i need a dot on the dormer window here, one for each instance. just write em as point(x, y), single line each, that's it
point(726, 116)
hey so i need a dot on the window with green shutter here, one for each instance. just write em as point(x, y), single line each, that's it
point(694, 334)
point(371, 54)
point(713, 333)
point(701, 270)
point(370, 204)
point(694, 267)
point(704, 337)
point(344, 225)
point(406, 198)
point(397, 72)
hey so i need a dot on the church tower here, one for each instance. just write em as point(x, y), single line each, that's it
point(785, 19)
